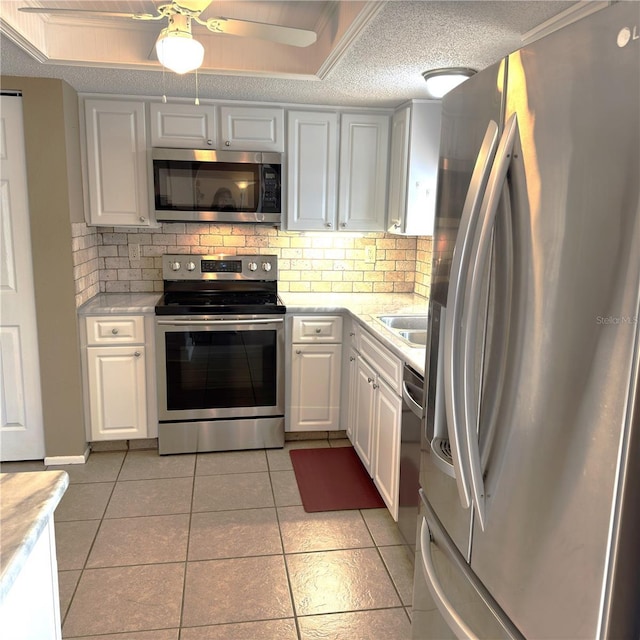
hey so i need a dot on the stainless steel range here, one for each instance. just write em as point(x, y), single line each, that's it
point(220, 354)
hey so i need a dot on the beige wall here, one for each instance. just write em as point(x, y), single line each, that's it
point(50, 110)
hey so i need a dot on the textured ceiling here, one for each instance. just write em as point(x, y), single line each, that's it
point(381, 67)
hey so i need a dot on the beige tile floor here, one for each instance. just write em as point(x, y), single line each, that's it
point(217, 546)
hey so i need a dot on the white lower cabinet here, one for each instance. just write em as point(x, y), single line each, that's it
point(375, 413)
point(35, 590)
point(316, 362)
point(386, 453)
point(117, 396)
point(364, 412)
point(116, 378)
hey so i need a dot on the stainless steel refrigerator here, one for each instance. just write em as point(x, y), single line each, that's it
point(530, 456)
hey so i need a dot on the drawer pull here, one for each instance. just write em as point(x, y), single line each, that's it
point(318, 330)
point(114, 331)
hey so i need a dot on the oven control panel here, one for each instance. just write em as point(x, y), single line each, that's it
point(220, 267)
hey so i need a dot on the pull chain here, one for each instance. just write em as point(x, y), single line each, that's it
point(197, 99)
point(164, 89)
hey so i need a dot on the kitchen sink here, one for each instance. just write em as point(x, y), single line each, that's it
point(414, 337)
point(411, 329)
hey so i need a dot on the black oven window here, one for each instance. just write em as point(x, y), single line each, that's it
point(221, 369)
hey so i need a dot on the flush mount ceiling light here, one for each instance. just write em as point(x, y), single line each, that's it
point(176, 48)
point(441, 81)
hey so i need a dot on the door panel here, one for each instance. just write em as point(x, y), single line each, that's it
point(21, 425)
point(573, 332)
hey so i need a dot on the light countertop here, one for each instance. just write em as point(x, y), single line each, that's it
point(27, 501)
point(364, 307)
point(119, 303)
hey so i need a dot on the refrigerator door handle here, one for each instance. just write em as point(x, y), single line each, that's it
point(453, 381)
point(472, 299)
point(447, 610)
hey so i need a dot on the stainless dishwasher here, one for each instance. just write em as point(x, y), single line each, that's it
point(412, 409)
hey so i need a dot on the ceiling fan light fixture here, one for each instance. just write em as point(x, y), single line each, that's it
point(177, 49)
point(441, 81)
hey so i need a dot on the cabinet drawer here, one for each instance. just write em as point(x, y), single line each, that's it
point(317, 329)
point(385, 363)
point(115, 330)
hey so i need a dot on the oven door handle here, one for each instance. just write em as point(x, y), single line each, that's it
point(199, 323)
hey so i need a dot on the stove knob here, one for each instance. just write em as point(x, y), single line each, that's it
point(175, 266)
point(266, 266)
point(252, 266)
point(191, 266)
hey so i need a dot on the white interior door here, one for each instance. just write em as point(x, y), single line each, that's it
point(21, 428)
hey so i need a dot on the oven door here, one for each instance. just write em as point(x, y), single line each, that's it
point(213, 368)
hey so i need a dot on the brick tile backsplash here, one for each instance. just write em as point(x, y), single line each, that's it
point(321, 262)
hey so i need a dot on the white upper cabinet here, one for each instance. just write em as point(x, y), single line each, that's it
point(252, 129)
point(337, 171)
point(116, 152)
point(312, 162)
point(413, 174)
point(364, 150)
point(183, 125)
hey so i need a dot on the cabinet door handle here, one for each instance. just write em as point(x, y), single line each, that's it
point(369, 380)
point(137, 354)
point(298, 351)
point(375, 386)
point(351, 358)
point(328, 225)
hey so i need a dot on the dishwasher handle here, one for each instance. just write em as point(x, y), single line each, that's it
point(410, 400)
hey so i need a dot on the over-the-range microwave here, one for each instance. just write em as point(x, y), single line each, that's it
point(202, 185)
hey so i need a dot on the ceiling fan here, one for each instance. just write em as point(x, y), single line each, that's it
point(176, 48)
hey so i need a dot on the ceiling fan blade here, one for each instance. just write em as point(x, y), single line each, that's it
point(273, 32)
point(111, 14)
point(196, 6)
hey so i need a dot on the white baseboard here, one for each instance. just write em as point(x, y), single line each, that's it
point(54, 461)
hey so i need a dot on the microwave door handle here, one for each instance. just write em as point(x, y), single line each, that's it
point(473, 290)
point(454, 408)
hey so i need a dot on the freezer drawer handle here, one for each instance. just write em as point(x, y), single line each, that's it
point(451, 616)
point(453, 381)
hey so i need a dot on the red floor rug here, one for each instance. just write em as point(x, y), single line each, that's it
point(333, 480)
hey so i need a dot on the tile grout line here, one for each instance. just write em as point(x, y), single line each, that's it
point(186, 557)
point(86, 560)
point(284, 558)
